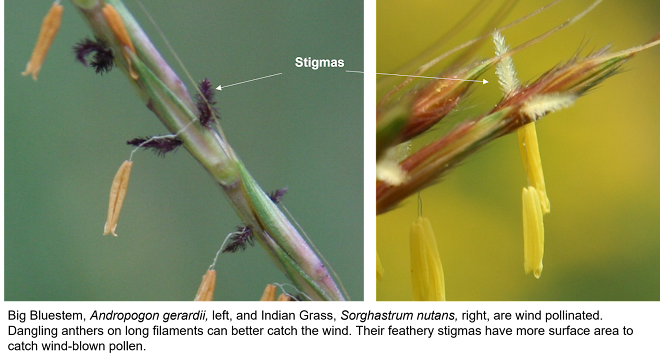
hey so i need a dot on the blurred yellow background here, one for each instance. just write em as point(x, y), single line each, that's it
point(601, 159)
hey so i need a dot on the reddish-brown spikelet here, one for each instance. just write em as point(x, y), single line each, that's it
point(430, 162)
point(576, 77)
point(432, 103)
point(420, 110)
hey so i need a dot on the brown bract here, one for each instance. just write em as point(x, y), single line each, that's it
point(437, 99)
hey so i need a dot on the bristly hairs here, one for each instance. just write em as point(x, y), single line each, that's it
point(205, 102)
point(277, 195)
point(239, 240)
point(159, 144)
point(102, 59)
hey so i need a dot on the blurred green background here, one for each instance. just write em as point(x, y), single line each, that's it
point(601, 159)
point(65, 139)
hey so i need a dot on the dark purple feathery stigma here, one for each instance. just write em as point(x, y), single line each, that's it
point(160, 146)
point(205, 103)
point(239, 240)
point(102, 60)
point(276, 196)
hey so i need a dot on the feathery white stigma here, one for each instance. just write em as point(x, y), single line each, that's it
point(388, 169)
point(390, 173)
point(505, 70)
point(542, 104)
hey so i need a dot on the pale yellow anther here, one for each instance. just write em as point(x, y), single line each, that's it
point(529, 150)
point(117, 195)
point(49, 28)
point(533, 235)
point(428, 280)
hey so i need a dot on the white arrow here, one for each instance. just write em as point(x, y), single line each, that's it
point(247, 81)
point(419, 76)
